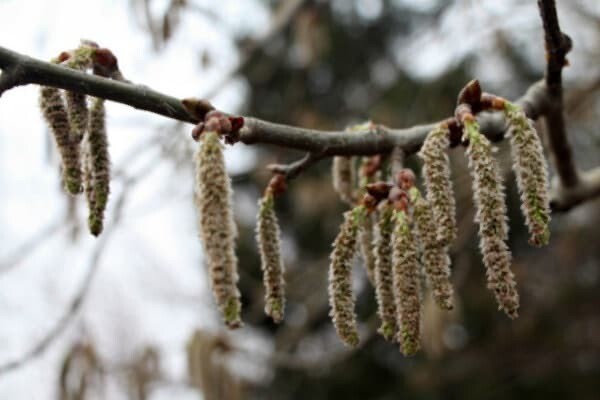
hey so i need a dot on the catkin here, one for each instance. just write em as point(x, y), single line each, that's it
point(269, 244)
point(344, 178)
point(78, 114)
point(341, 297)
point(365, 237)
point(440, 194)
point(384, 291)
point(217, 227)
point(434, 256)
point(531, 170)
point(55, 114)
point(406, 284)
point(96, 162)
point(81, 60)
point(488, 192)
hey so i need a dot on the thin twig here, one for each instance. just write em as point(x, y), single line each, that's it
point(294, 169)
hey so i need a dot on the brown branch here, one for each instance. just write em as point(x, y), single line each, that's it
point(377, 139)
point(557, 46)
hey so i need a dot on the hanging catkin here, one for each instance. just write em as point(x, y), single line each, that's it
point(269, 245)
point(217, 227)
point(97, 167)
point(367, 250)
point(341, 297)
point(55, 114)
point(488, 192)
point(531, 170)
point(440, 194)
point(406, 284)
point(384, 291)
point(434, 256)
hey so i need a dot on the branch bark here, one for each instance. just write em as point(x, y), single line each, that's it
point(378, 139)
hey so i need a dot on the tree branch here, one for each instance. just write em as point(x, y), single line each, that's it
point(377, 139)
point(557, 46)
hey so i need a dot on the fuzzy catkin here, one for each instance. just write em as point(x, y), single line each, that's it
point(434, 256)
point(269, 245)
point(54, 112)
point(531, 170)
point(367, 249)
point(97, 167)
point(341, 298)
point(217, 227)
point(384, 281)
point(344, 178)
point(407, 289)
point(77, 108)
point(488, 192)
point(440, 194)
point(78, 114)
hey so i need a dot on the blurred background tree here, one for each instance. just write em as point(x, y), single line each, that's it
point(329, 64)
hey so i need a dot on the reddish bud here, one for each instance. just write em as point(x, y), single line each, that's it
point(379, 190)
point(405, 179)
point(236, 123)
point(277, 185)
point(63, 56)
point(197, 131)
point(470, 94)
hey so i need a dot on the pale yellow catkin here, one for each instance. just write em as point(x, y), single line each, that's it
point(54, 112)
point(434, 256)
point(217, 227)
point(269, 245)
point(407, 289)
point(488, 192)
point(531, 170)
point(96, 166)
point(384, 281)
point(440, 193)
point(341, 297)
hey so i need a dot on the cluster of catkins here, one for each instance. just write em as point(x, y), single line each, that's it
point(79, 130)
point(405, 236)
